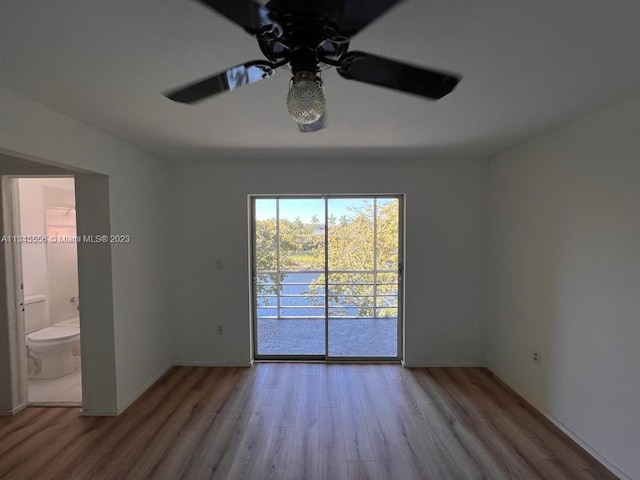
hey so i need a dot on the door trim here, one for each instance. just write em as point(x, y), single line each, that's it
point(15, 293)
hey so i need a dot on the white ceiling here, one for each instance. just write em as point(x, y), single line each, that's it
point(527, 66)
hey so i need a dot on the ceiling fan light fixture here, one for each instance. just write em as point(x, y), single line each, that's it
point(305, 100)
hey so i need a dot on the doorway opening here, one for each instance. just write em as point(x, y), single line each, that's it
point(46, 280)
point(327, 277)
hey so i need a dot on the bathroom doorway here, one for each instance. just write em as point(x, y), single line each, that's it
point(47, 285)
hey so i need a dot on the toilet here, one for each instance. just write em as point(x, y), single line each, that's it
point(49, 348)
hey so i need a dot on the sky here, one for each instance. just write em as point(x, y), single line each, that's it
point(305, 208)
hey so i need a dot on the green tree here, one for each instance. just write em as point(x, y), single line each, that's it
point(266, 258)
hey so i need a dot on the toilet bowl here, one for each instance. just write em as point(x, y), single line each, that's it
point(51, 351)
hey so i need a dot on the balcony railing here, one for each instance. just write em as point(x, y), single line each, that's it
point(292, 301)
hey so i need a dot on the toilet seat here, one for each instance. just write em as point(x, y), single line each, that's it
point(52, 334)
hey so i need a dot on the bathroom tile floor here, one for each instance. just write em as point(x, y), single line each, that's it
point(65, 390)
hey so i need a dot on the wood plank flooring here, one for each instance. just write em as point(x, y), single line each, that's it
point(288, 421)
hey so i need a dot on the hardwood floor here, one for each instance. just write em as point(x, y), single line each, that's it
point(300, 422)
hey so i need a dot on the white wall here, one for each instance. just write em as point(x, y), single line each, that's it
point(445, 246)
point(135, 345)
point(565, 278)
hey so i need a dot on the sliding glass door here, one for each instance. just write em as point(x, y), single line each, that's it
point(326, 277)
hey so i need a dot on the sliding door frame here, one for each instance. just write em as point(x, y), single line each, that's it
point(253, 279)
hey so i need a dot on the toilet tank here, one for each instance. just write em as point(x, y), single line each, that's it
point(36, 313)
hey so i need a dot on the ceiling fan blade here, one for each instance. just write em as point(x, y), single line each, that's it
point(226, 81)
point(249, 14)
point(384, 72)
point(357, 14)
point(314, 127)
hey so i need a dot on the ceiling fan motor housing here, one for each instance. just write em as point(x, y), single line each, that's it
point(305, 32)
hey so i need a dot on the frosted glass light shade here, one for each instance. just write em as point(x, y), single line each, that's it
point(305, 101)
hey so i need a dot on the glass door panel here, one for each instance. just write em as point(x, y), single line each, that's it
point(289, 275)
point(362, 249)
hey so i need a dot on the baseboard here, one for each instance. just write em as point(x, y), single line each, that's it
point(13, 411)
point(438, 364)
point(574, 437)
point(181, 363)
point(123, 406)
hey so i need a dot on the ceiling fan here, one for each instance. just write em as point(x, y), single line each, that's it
point(310, 36)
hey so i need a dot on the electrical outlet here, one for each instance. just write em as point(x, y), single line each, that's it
point(536, 357)
point(219, 330)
